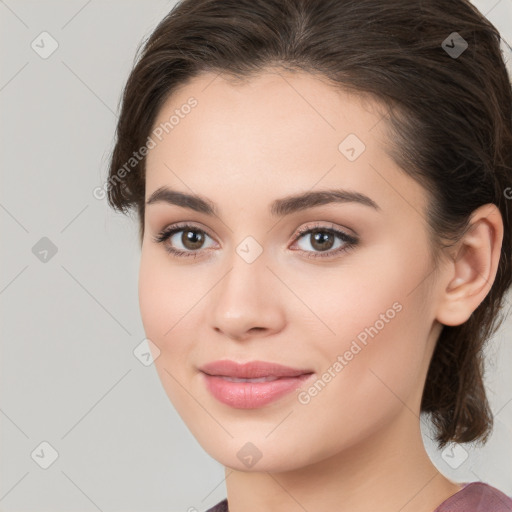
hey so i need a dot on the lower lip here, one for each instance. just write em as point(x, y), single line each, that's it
point(251, 395)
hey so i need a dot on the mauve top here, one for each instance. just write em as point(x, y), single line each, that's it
point(473, 497)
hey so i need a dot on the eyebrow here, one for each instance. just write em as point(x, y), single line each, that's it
point(280, 207)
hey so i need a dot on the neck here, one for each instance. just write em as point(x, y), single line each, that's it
point(389, 472)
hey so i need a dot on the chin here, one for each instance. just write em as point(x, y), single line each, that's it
point(263, 455)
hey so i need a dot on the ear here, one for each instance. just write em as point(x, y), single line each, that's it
point(471, 272)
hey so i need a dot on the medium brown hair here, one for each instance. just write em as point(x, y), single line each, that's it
point(449, 126)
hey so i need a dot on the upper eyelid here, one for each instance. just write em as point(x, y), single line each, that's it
point(300, 232)
point(181, 227)
point(330, 227)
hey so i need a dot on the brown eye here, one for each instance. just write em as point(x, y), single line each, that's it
point(322, 240)
point(192, 239)
point(183, 240)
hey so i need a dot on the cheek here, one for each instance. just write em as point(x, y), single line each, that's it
point(171, 302)
point(155, 297)
point(165, 304)
point(370, 371)
point(380, 320)
point(165, 308)
point(166, 296)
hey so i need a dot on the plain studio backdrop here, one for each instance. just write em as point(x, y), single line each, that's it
point(85, 423)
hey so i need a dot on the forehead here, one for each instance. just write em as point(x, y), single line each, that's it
point(270, 108)
point(275, 131)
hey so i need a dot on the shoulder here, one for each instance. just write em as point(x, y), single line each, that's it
point(477, 497)
point(222, 506)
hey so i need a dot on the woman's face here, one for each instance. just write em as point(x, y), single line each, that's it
point(354, 313)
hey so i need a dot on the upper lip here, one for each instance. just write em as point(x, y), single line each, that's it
point(251, 369)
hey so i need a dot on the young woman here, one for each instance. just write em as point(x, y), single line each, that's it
point(323, 189)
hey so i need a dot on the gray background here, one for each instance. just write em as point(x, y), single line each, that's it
point(70, 324)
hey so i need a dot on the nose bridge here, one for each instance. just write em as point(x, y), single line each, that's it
point(246, 279)
point(245, 298)
point(248, 266)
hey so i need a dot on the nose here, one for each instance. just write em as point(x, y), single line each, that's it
point(247, 302)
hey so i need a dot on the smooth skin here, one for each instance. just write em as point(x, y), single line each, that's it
point(357, 444)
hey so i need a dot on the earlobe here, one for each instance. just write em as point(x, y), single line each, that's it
point(471, 273)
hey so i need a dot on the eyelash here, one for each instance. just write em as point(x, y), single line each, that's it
point(349, 240)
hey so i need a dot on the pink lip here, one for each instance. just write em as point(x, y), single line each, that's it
point(251, 395)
